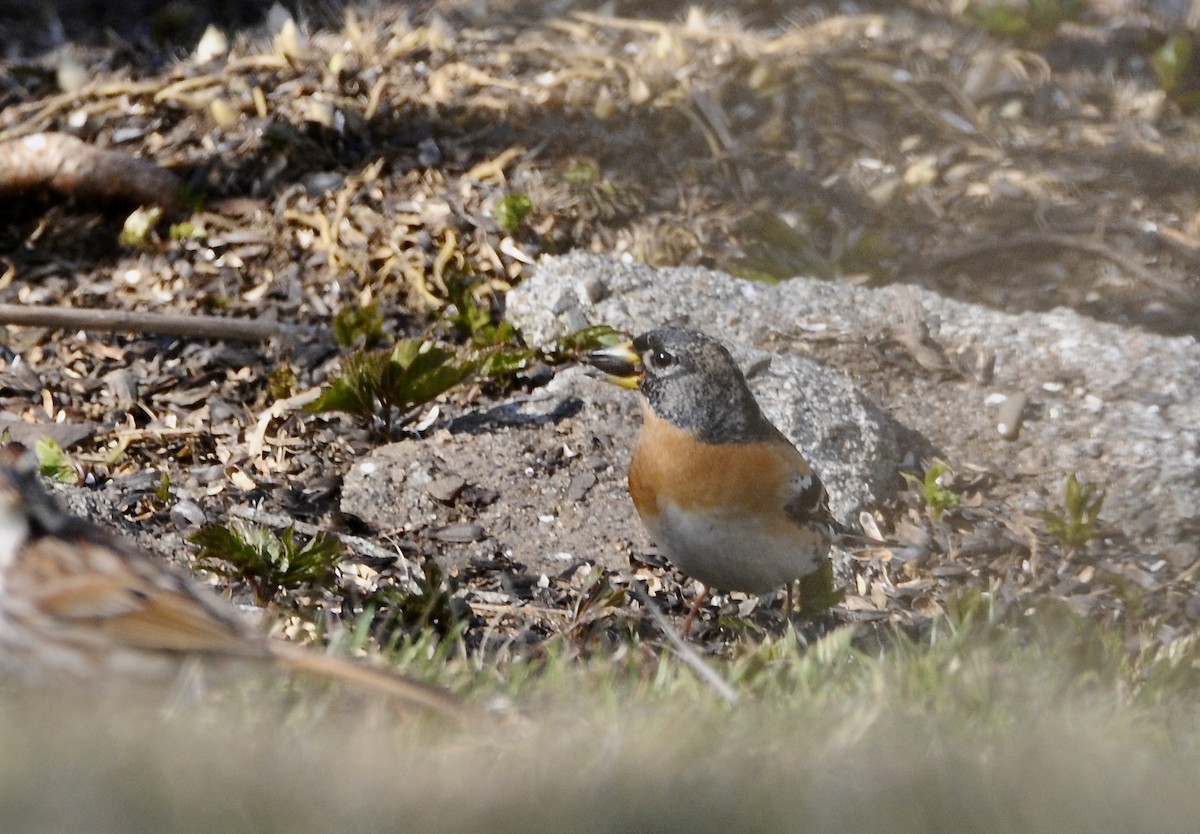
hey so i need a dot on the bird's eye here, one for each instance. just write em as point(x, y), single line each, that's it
point(661, 359)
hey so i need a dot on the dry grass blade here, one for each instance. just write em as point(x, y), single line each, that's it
point(404, 690)
point(687, 654)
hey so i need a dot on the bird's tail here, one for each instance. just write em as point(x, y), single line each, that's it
point(844, 536)
point(404, 690)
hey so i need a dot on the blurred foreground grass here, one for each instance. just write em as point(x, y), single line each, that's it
point(1028, 723)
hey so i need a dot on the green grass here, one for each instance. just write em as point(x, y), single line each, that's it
point(1022, 722)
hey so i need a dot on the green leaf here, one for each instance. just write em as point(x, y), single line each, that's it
point(53, 462)
point(475, 318)
point(430, 373)
point(356, 391)
point(163, 491)
point(573, 345)
point(185, 230)
point(412, 373)
point(267, 561)
point(511, 212)
point(1171, 61)
point(281, 382)
point(1040, 18)
point(1081, 523)
point(818, 592)
point(431, 607)
point(135, 233)
point(352, 324)
point(935, 498)
point(499, 363)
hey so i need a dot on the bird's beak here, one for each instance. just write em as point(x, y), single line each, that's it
point(620, 363)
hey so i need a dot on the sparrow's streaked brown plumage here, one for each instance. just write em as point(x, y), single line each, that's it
point(78, 604)
point(724, 493)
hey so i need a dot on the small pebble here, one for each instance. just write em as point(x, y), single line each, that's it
point(592, 290)
point(1012, 414)
point(459, 533)
point(446, 489)
point(580, 485)
point(187, 514)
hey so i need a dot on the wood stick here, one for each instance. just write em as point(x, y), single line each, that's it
point(127, 321)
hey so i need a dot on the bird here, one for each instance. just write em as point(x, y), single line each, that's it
point(729, 500)
point(80, 605)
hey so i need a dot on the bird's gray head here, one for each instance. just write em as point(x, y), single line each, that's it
point(690, 380)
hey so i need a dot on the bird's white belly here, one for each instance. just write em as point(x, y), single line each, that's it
point(732, 554)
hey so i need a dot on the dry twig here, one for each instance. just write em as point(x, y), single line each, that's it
point(132, 321)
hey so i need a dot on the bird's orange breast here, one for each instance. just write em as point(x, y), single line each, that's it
point(671, 466)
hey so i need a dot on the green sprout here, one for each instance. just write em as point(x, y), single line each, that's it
point(138, 227)
point(1080, 524)
point(185, 230)
point(431, 607)
point(53, 462)
point(352, 324)
point(500, 350)
point(475, 319)
point(162, 492)
point(1171, 60)
point(817, 591)
point(268, 562)
point(608, 199)
point(511, 212)
point(385, 382)
point(1176, 70)
point(281, 382)
point(936, 498)
point(570, 347)
point(1033, 19)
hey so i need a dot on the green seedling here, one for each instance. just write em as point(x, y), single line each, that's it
point(1033, 19)
point(596, 599)
point(574, 345)
point(358, 325)
point(281, 382)
point(817, 591)
point(500, 351)
point(475, 318)
point(432, 607)
point(384, 383)
point(53, 462)
point(511, 212)
point(267, 561)
point(1080, 523)
point(1176, 70)
point(1171, 61)
point(138, 227)
point(935, 497)
point(162, 493)
point(185, 230)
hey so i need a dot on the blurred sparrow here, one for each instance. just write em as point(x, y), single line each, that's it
point(78, 604)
